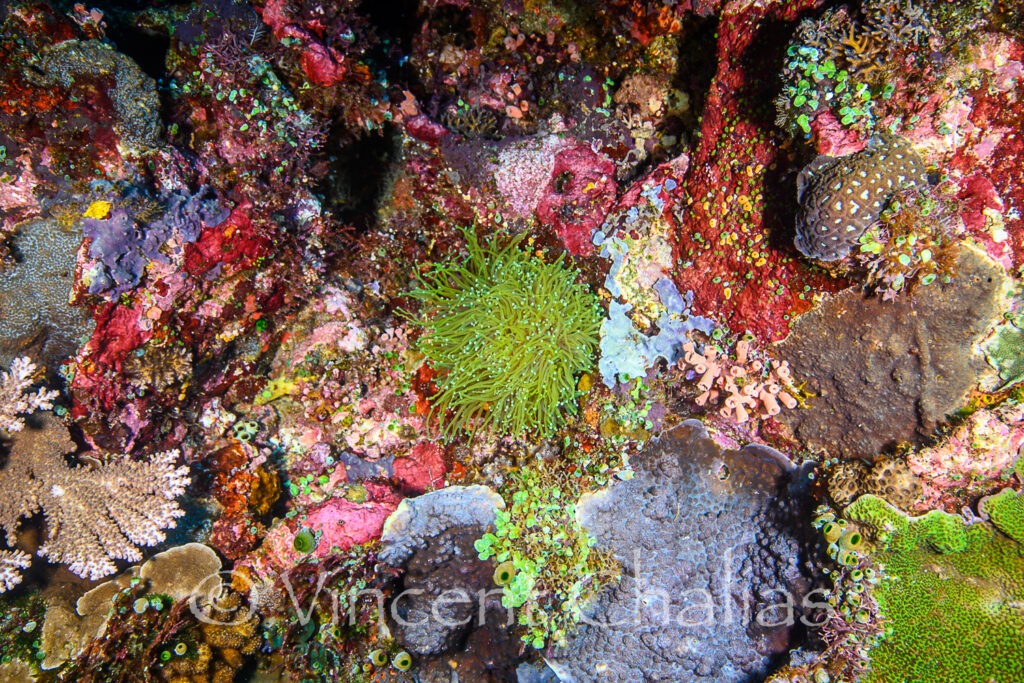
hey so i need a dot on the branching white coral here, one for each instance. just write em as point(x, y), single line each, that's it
point(11, 564)
point(13, 399)
point(93, 516)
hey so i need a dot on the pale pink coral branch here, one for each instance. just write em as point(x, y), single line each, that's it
point(11, 564)
point(744, 396)
point(93, 516)
point(14, 401)
point(741, 351)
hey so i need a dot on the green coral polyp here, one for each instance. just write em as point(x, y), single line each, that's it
point(305, 541)
point(948, 594)
point(507, 333)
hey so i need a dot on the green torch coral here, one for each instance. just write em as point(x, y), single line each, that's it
point(507, 333)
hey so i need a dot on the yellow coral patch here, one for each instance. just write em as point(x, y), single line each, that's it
point(99, 209)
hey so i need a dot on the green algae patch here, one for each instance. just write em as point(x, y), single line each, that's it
point(951, 600)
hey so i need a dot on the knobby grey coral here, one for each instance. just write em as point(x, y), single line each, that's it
point(11, 564)
point(134, 94)
point(14, 397)
point(714, 565)
point(93, 516)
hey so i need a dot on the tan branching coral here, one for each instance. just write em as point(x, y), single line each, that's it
point(93, 516)
point(14, 399)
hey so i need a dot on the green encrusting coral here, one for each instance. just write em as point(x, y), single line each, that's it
point(508, 333)
point(1006, 510)
point(951, 600)
point(1005, 352)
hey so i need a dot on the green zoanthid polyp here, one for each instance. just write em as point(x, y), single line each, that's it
point(508, 333)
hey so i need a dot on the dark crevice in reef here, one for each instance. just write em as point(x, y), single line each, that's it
point(396, 23)
point(358, 177)
point(697, 65)
point(147, 48)
point(780, 184)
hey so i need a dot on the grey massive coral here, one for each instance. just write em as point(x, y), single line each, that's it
point(93, 516)
point(841, 197)
point(716, 577)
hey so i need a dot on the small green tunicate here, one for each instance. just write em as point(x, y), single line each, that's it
point(304, 541)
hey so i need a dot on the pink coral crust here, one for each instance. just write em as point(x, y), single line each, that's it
point(339, 525)
point(578, 197)
point(423, 470)
point(971, 461)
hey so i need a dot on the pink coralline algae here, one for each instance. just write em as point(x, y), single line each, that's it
point(996, 151)
point(578, 197)
point(525, 168)
point(337, 523)
point(971, 461)
point(423, 469)
point(324, 65)
point(968, 125)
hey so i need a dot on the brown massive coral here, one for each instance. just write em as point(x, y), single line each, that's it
point(883, 372)
point(93, 516)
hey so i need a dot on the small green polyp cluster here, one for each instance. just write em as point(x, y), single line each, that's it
point(508, 333)
point(548, 562)
point(821, 85)
point(947, 597)
point(911, 243)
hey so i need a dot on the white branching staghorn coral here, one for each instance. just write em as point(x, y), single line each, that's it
point(13, 399)
point(93, 516)
point(11, 564)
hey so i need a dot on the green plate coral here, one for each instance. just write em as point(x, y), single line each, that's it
point(949, 600)
point(507, 333)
